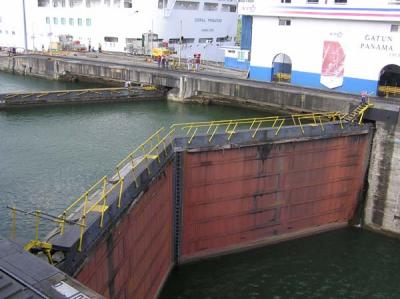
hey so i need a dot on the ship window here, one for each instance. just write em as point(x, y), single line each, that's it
point(162, 3)
point(313, 1)
point(63, 21)
point(127, 3)
point(73, 3)
point(173, 41)
point(131, 40)
point(117, 3)
point(107, 2)
point(88, 22)
point(79, 22)
point(187, 5)
point(57, 3)
point(71, 21)
point(206, 40)
point(224, 39)
point(285, 22)
point(188, 41)
point(43, 3)
point(286, 1)
point(340, 1)
point(228, 7)
point(111, 39)
point(55, 21)
point(394, 28)
point(1, 31)
point(47, 20)
point(93, 3)
point(210, 6)
point(13, 32)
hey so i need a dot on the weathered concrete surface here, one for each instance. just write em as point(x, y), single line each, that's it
point(383, 201)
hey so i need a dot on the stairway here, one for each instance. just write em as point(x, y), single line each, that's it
point(357, 112)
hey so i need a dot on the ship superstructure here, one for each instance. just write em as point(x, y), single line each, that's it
point(123, 25)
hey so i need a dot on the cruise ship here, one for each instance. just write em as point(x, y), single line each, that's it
point(188, 27)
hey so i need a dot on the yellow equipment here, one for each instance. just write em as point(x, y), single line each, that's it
point(161, 52)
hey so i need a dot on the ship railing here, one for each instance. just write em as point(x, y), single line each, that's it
point(96, 198)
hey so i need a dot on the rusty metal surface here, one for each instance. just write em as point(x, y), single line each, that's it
point(240, 196)
point(133, 261)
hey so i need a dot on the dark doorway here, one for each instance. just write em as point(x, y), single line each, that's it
point(389, 81)
point(281, 68)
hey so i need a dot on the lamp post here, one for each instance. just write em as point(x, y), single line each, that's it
point(180, 44)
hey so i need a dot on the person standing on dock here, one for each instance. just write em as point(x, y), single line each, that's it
point(197, 61)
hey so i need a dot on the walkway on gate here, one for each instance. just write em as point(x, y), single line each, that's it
point(92, 95)
point(96, 200)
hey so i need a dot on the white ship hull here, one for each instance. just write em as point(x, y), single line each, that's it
point(114, 27)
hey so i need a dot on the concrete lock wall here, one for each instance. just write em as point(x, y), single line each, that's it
point(254, 195)
point(135, 258)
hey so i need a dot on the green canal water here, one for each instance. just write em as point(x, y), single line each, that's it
point(349, 263)
point(49, 155)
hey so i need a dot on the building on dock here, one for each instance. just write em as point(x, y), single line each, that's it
point(188, 27)
point(340, 45)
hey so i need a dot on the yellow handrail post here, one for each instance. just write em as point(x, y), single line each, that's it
point(361, 117)
point(276, 119)
point(82, 229)
point(120, 192)
point(118, 172)
point(37, 223)
point(13, 223)
point(252, 124)
point(301, 125)
point(209, 128)
point(227, 128)
point(280, 126)
point(255, 132)
point(233, 131)
point(62, 223)
point(103, 210)
point(104, 185)
point(191, 138)
point(322, 125)
point(213, 133)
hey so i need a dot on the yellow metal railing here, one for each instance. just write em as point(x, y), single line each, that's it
point(282, 77)
point(254, 124)
point(389, 90)
point(96, 198)
point(38, 216)
point(59, 93)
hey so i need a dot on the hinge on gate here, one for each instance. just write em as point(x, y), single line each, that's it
point(36, 246)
